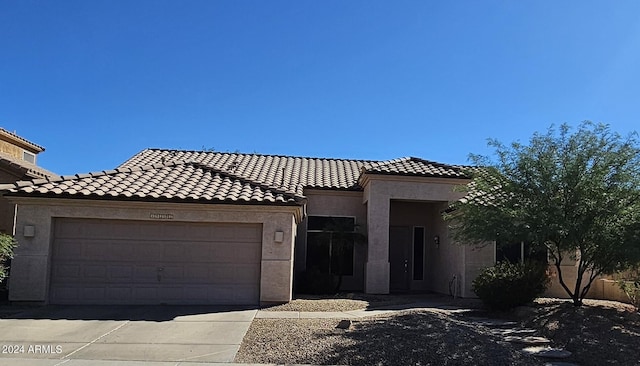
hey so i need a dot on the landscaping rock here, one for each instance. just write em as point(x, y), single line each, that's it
point(492, 322)
point(344, 324)
point(547, 352)
point(513, 332)
point(529, 340)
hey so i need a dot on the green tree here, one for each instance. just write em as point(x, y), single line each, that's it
point(574, 193)
point(7, 243)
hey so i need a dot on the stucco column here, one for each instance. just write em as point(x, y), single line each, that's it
point(377, 269)
point(30, 265)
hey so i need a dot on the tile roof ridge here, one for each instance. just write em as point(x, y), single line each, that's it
point(245, 179)
point(432, 162)
point(22, 139)
point(454, 166)
point(375, 164)
point(258, 154)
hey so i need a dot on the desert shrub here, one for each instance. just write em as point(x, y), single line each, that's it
point(7, 243)
point(507, 285)
point(630, 284)
point(317, 282)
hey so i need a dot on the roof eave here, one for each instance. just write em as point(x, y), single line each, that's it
point(290, 202)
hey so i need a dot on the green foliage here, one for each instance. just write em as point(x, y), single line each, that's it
point(573, 194)
point(630, 285)
point(507, 285)
point(7, 244)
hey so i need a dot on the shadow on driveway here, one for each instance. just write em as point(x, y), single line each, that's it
point(159, 313)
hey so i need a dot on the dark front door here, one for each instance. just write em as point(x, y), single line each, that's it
point(399, 258)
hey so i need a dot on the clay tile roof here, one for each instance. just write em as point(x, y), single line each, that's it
point(180, 181)
point(22, 140)
point(416, 167)
point(204, 176)
point(286, 172)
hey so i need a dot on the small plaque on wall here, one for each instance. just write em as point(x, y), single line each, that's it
point(161, 216)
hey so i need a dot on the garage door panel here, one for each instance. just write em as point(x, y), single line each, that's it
point(119, 295)
point(246, 274)
point(67, 271)
point(128, 262)
point(68, 248)
point(93, 294)
point(114, 250)
point(145, 274)
point(150, 251)
point(95, 273)
point(121, 272)
point(173, 274)
point(175, 251)
point(64, 295)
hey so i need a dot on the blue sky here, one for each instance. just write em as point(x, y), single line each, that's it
point(97, 81)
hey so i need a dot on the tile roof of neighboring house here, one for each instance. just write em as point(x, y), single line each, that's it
point(29, 169)
point(24, 141)
point(227, 177)
point(172, 181)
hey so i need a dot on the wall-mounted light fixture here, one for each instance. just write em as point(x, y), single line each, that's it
point(29, 231)
point(279, 237)
point(436, 240)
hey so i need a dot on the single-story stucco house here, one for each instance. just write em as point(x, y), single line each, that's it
point(199, 227)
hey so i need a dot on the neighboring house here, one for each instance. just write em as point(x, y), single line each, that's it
point(17, 163)
point(195, 227)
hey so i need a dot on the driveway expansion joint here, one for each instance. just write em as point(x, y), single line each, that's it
point(95, 340)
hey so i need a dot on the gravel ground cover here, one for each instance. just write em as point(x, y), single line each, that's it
point(356, 301)
point(599, 333)
point(405, 338)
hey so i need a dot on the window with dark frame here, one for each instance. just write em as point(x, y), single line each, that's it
point(519, 252)
point(323, 249)
point(418, 253)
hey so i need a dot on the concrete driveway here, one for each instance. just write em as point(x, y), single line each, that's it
point(124, 333)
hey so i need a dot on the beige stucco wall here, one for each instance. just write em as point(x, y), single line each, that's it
point(11, 149)
point(603, 287)
point(476, 259)
point(335, 203)
point(29, 280)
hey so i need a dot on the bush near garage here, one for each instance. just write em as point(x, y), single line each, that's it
point(507, 285)
point(7, 244)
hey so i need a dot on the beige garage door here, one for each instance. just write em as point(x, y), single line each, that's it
point(140, 262)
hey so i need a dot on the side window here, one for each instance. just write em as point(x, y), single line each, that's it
point(518, 252)
point(418, 253)
point(29, 157)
